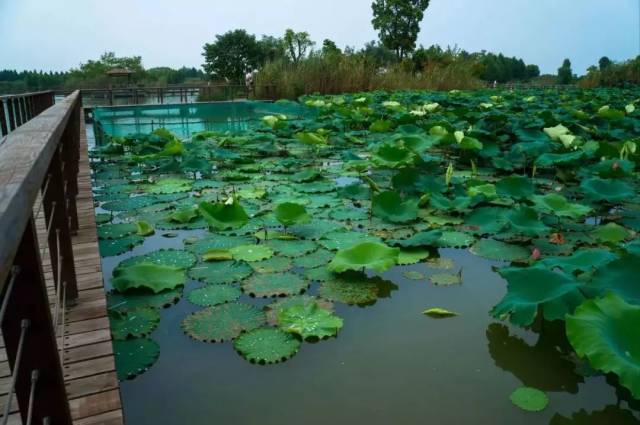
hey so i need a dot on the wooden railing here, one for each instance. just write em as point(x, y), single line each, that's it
point(38, 174)
point(16, 110)
point(135, 95)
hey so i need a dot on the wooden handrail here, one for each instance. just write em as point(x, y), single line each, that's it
point(25, 157)
point(17, 109)
point(40, 157)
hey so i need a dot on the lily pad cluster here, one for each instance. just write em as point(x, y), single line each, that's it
point(543, 184)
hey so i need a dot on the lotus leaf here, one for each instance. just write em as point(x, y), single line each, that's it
point(133, 323)
point(351, 288)
point(412, 255)
point(116, 231)
point(528, 289)
point(220, 272)
point(365, 255)
point(141, 299)
point(606, 331)
point(211, 295)
point(439, 313)
point(426, 238)
point(340, 239)
point(525, 220)
point(496, 250)
point(222, 322)
point(223, 216)
point(112, 247)
point(272, 265)
point(609, 190)
point(134, 356)
point(389, 206)
point(251, 252)
point(274, 285)
point(611, 233)
point(290, 213)
point(267, 345)
point(309, 321)
point(391, 156)
point(529, 399)
point(619, 276)
point(292, 248)
point(170, 185)
point(557, 204)
point(147, 275)
point(516, 187)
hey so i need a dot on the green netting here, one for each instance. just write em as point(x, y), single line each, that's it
point(186, 119)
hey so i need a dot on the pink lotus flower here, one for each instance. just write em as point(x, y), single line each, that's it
point(535, 254)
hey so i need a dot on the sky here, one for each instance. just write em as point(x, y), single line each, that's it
point(60, 34)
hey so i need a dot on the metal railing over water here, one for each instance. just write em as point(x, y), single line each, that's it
point(38, 175)
point(16, 110)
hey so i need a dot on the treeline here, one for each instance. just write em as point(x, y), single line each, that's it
point(612, 74)
point(93, 74)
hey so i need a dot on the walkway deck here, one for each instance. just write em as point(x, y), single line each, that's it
point(90, 377)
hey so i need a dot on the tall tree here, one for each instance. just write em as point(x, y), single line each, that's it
point(297, 44)
point(231, 55)
point(565, 74)
point(398, 23)
point(604, 63)
point(329, 48)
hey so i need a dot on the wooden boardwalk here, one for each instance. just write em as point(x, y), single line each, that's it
point(88, 362)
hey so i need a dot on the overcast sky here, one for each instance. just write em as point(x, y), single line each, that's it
point(59, 34)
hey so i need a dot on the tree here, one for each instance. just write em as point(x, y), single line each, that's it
point(398, 23)
point(297, 44)
point(565, 74)
point(532, 71)
point(604, 63)
point(271, 49)
point(231, 55)
point(329, 48)
point(378, 54)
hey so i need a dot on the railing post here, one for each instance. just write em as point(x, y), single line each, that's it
point(39, 352)
point(58, 223)
point(71, 154)
point(3, 119)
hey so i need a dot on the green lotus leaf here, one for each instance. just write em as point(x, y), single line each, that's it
point(348, 213)
point(251, 252)
point(516, 187)
point(142, 299)
point(452, 239)
point(557, 204)
point(355, 191)
point(184, 215)
point(267, 345)
point(446, 279)
point(274, 285)
point(211, 295)
point(312, 139)
point(426, 238)
point(583, 259)
point(609, 190)
point(439, 313)
point(439, 202)
point(531, 288)
point(350, 288)
point(200, 246)
point(619, 276)
point(220, 272)
point(315, 229)
point(555, 159)
point(134, 356)
point(555, 132)
point(309, 321)
point(155, 277)
point(222, 322)
point(389, 206)
point(341, 239)
point(365, 255)
point(163, 257)
point(290, 213)
point(272, 265)
point(272, 310)
point(132, 203)
point(292, 248)
point(116, 231)
point(486, 220)
point(611, 233)
point(306, 175)
point(215, 254)
point(144, 228)
point(314, 259)
point(133, 323)
point(525, 220)
point(606, 331)
point(170, 185)
point(529, 399)
point(391, 156)
point(496, 250)
point(412, 255)
point(223, 216)
point(413, 275)
point(381, 126)
point(102, 218)
point(112, 247)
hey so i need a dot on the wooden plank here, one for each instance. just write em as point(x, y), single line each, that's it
point(92, 385)
point(95, 404)
point(113, 417)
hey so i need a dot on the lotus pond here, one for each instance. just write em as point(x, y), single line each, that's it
point(462, 257)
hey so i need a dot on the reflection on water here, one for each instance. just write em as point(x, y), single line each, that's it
point(610, 415)
point(543, 365)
